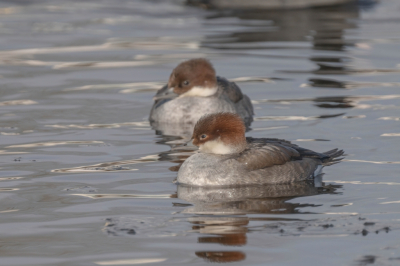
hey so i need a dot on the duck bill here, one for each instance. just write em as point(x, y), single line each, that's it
point(165, 93)
point(189, 143)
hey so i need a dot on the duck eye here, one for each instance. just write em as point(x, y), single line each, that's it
point(203, 136)
point(186, 82)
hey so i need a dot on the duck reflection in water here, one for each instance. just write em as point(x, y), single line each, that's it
point(220, 214)
point(217, 187)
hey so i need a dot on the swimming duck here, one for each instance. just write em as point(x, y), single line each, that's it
point(227, 158)
point(194, 90)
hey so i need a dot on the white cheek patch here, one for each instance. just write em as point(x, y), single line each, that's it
point(200, 92)
point(216, 147)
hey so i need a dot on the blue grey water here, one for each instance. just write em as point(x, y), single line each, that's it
point(85, 180)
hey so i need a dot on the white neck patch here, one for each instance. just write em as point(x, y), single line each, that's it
point(200, 92)
point(216, 147)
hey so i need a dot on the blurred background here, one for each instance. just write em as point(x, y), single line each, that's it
point(85, 180)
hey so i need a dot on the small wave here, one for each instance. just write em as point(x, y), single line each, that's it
point(129, 87)
point(17, 102)
point(390, 135)
point(53, 143)
point(93, 126)
point(373, 162)
point(108, 166)
point(295, 118)
point(118, 196)
point(364, 183)
point(329, 83)
point(8, 189)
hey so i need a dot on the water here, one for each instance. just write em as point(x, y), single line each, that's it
point(84, 180)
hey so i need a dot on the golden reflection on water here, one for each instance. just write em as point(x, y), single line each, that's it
point(92, 64)
point(390, 135)
point(6, 211)
point(81, 64)
point(8, 189)
point(390, 202)
point(130, 261)
point(252, 79)
point(389, 118)
point(53, 143)
point(4, 152)
point(10, 178)
point(143, 124)
point(8, 10)
point(9, 133)
point(18, 102)
point(128, 87)
point(154, 43)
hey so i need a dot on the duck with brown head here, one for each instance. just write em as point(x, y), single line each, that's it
point(193, 90)
point(194, 78)
point(222, 134)
point(228, 158)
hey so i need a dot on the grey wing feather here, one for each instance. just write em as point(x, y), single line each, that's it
point(230, 89)
point(263, 153)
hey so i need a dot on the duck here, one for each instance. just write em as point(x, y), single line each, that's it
point(227, 158)
point(193, 90)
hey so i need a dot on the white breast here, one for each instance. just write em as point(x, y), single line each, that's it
point(216, 147)
point(200, 92)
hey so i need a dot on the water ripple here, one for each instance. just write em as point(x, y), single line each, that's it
point(295, 118)
point(17, 102)
point(8, 189)
point(128, 87)
point(329, 83)
point(389, 118)
point(53, 143)
point(390, 135)
point(108, 166)
point(119, 196)
point(373, 162)
point(144, 125)
point(130, 261)
point(363, 183)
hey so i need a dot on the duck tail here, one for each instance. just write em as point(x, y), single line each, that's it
point(333, 157)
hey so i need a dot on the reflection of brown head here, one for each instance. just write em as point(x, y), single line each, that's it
point(193, 73)
point(226, 240)
point(227, 128)
point(221, 256)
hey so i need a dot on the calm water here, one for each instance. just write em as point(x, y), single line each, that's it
point(84, 180)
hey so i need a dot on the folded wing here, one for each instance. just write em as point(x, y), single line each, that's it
point(263, 153)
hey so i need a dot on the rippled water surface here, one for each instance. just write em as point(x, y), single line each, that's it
point(85, 180)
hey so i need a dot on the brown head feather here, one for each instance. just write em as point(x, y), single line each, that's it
point(195, 72)
point(226, 127)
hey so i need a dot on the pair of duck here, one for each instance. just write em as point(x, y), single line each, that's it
point(220, 113)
